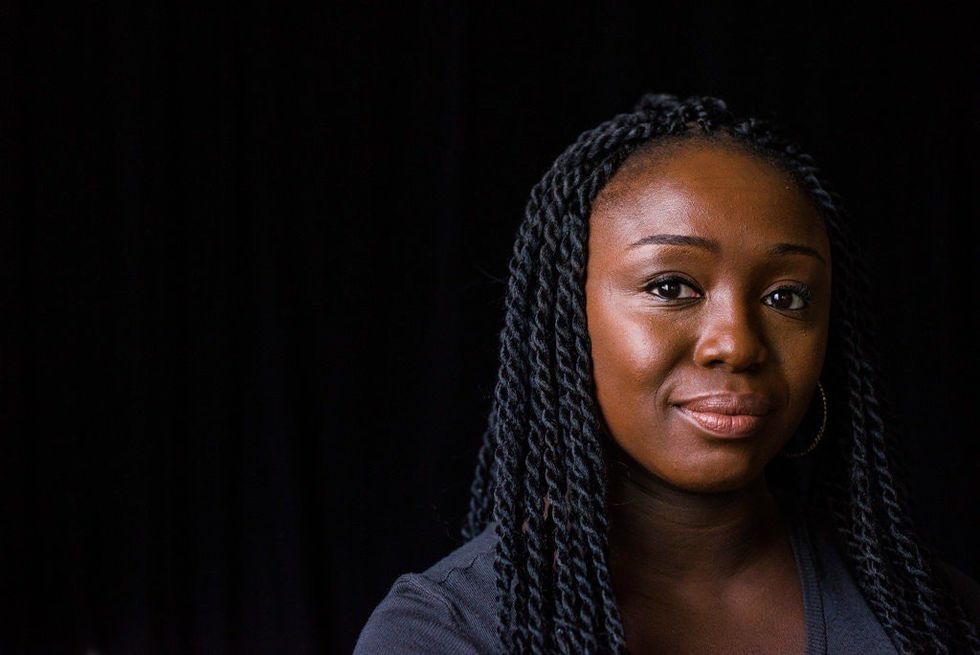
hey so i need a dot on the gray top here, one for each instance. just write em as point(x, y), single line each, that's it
point(450, 607)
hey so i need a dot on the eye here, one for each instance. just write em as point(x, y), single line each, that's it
point(792, 298)
point(673, 288)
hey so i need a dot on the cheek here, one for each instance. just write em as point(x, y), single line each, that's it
point(800, 362)
point(632, 355)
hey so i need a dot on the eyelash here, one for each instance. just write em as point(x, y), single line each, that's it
point(670, 278)
point(802, 290)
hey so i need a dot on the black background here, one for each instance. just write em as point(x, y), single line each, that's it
point(253, 263)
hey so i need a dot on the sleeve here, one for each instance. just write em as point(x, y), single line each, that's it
point(414, 618)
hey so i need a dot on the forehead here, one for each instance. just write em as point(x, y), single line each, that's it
point(707, 189)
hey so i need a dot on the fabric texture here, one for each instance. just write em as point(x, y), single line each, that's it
point(449, 608)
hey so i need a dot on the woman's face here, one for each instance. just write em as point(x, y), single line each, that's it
point(707, 299)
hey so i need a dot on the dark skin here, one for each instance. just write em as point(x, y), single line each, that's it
point(707, 346)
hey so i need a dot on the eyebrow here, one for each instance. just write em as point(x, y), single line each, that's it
point(795, 249)
point(676, 240)
point(712, 246)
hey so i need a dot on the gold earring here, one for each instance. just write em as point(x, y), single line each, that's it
point(823, 426)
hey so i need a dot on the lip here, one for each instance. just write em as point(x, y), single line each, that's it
point(726, 415)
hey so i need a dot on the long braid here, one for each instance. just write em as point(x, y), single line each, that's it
point(543, 404)
point(481, 490)
point(511, 381)
point(511, 413)
point(567, 638)
point(572, 264)
point(541, 476)
point(584, 604)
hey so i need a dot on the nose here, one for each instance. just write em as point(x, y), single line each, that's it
point(731, 338)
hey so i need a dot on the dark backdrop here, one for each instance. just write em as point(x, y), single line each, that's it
point(253, 263)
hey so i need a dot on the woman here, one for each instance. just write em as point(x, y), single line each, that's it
point(685, 452)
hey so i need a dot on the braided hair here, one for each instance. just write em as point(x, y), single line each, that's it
point(541, 476)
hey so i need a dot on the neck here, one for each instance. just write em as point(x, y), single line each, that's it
point(663, 537)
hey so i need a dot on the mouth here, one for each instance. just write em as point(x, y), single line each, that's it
point(726, 415)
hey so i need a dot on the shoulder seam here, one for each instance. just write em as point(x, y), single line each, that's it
point(449, 572)
point(413, 580)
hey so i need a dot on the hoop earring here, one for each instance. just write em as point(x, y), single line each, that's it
point(823, 426)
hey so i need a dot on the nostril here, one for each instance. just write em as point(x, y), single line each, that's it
point(734, 346)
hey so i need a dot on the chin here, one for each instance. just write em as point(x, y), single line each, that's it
point(714, 474)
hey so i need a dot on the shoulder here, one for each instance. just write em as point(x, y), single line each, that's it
point(448, 608)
